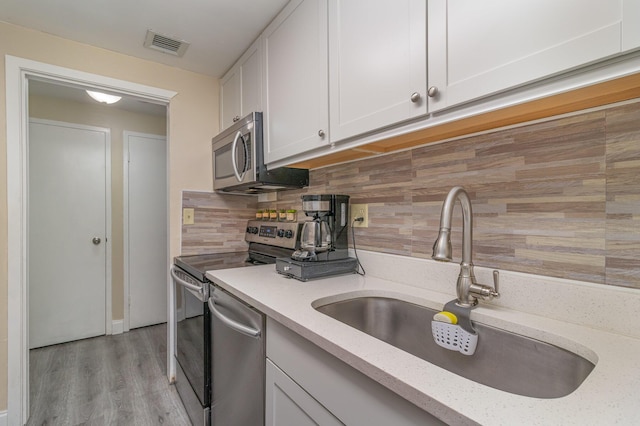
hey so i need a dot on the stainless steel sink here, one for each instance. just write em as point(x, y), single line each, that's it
point(503, 360)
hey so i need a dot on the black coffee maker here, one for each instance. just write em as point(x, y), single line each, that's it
point(324, 237)
point(324, 249)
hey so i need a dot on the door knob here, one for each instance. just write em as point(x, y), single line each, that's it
point(96, 240)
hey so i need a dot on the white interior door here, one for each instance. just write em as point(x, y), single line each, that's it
point(67, 249)
point(146, 256)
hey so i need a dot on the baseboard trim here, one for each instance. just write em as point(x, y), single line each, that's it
point(117, 327)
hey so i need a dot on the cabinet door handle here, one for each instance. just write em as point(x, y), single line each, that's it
point(433, 91)
point(321, 133)
point(236, 118)
point(415, 97)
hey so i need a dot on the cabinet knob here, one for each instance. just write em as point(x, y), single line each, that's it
point(433, 91)
point(236, 118)
point(321, 133)
point(415, 97)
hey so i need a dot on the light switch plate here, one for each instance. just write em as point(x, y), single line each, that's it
point(188, 216)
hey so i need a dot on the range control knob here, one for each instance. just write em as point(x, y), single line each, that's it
point(288, 233)
point(252, 229)
point(281, 233)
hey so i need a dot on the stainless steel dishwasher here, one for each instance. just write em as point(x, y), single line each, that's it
point(237, 361)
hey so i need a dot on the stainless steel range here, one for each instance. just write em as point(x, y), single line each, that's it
point(195, 351)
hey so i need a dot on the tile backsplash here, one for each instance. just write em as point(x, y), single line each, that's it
point(557, 198)
point(219, 222)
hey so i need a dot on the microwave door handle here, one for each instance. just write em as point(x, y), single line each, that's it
point(233, 159)
point(234, 325)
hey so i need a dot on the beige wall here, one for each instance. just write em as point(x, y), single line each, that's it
point(117, 121)
point(193, 120)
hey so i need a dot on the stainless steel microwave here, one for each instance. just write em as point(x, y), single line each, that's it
point(238, 161)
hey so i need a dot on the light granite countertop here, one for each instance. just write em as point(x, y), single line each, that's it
point(609, 395)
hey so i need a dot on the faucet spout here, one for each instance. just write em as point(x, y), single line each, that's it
point(442, 247)
point(467, 289)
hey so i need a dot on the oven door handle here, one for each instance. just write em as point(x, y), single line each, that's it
point(234, 325)
point(198, 289)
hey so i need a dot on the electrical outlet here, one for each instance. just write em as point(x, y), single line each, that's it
point(188, 216)
point(360, 210)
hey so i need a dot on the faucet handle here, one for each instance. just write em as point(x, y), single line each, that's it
point(486, 292)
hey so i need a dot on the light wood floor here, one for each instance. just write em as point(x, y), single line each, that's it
point(107, 380)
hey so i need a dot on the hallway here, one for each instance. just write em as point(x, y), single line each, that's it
point(107, 380)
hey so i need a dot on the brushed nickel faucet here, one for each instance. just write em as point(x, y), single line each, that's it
point(467, 289)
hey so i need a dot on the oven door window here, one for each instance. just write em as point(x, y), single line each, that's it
point(193, 343)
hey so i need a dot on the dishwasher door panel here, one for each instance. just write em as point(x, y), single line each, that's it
point(238, 361)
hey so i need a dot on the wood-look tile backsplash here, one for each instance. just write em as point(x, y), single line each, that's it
point(219, 222)
point(558, 198)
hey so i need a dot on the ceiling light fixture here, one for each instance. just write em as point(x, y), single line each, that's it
point(103, 97)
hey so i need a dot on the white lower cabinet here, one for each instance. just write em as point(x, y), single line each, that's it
point(307, 385)
point(289, 404)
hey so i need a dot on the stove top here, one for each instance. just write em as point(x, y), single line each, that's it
point(267, 241)
point(198, 265)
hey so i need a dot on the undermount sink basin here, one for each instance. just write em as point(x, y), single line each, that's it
point(503, 360)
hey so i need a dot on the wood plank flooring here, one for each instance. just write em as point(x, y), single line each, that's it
point(107, 380)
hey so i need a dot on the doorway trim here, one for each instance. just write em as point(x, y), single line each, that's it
point(17, 73)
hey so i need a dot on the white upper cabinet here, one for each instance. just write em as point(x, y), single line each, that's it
point(377, 64)
point(478, 48)
point(230, 98)
point(631, 25)
point(295, 85)
point(241, 87)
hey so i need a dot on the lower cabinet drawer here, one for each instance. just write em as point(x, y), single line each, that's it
point(288, 404)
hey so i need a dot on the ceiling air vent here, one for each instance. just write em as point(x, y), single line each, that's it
point(165, 44)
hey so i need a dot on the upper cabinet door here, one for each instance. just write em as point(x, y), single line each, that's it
point(295, 85)
point(477, 48)
point(251, 77)
point(631, 25)
point(230, 98)
point(241, 87)
point(377, 64)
